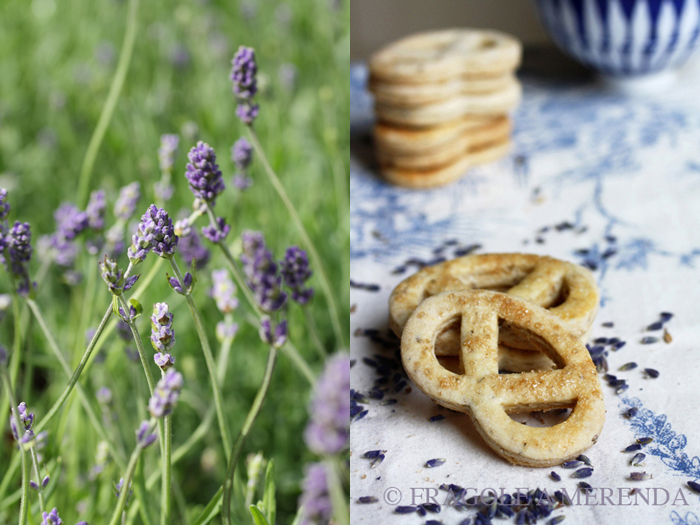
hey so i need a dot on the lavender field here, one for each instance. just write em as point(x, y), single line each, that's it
point(174, 238)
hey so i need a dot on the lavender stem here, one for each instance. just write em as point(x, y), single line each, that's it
point(40, 490)
point(124, 494)
point(317, 262)
point(209, 359)
point(15, 359)
point(24, 504)
point(334, 469)
point(245, 430)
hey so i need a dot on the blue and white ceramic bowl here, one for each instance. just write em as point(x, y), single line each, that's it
point(624, 38)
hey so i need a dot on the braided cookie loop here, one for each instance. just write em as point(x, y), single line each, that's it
point(488, 397)
point(447, 54)
point(567, 290)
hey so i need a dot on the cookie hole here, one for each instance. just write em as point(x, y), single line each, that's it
point(451, 363)
point(540, 418)
point(526, 346)
point(514, 361)
point(561, 297)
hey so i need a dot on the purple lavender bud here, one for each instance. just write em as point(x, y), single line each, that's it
point(224, 291)
point(126, 202)
point(70, 221)
point(118, 489)
point(25, 418)
point(218, 233)
point(162, 333)
point(112, 275)
point(226, 330)
point(315, 500)
point(203, 174)
point(45, 481)
point(242, 153)
point(130, 282)
point(104, 396)
point(266, 332)
point(191, 247)
point(4, 205)
point(51, 518)
point(164, 361)
point(295, 270)
point(19, 247)
point(247, 112)
point(133, 314)
point(33, 485)
point(328, 431)
point(181, 288)
point(242, 182)
point(243, 73)
point(95, 211)
point(155, 232)
point(167, 151)
point(145, 435)
point(165, 394)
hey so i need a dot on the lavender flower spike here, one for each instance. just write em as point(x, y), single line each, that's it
point(203, 173)
point(243, 73)
point(95, 211)
point(22, 429)
point(19, 246)
point(190, 247)
point(224, 291)
point(315, 500)
point(162, 335)
point(166, 394)
point(261, 272)
point(126, 202)
point(295, 270)
point(216, 233)
point(155, 232)
point(276, 339)
point(4, 204)
point(328, 432)
point(51, 518)
point(167, 151)
point(242, 154)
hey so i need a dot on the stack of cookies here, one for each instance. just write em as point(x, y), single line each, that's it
point(442, 101)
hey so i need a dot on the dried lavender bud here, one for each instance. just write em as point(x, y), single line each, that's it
point(243, 73)
point(585, 487)
point(95, 211)
point(315, 501)
point(295, 271)
point(694, 486)
point(145, 435)
point(51, 518)
point(203, 174)
point(630, 413)
point(224, 291)
point(574, 463)
point(328, 431)
point(165, 394)
point(628, 366)
point(651, 373)
point(649, 340)
point(218, 232)
point(585, 460)
point(638, 459)
point(261, 272)
point(162, 333)
point(126, 202)
point(645, 440)
point(432, 463)
point(584, 472)
point(266, 332)
point(405, 509)
point(167, 151)
point(633, 448)
point(242, 154)
point(640, 476)
point(371, 454)
point(367, 499)
point(555, 476)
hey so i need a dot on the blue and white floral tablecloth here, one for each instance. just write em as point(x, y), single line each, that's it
point(597, 178)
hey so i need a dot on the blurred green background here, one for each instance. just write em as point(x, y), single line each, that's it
point(57, 60)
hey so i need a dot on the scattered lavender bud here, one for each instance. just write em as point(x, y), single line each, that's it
point(631, 412)
point(585, 487)
point(167, 151)
point(628, 366)
point(367, 499)
point(126, 203)
point(405, 509)
point(224, 291)
point(574, 463)
point(665, 316)
point(585, 472)
point(124, 331)
point(694, 486)
point(51, 518)
point(585, 460)
point(438, 417)
point(328, 431)
point(203, 174)
point(315, 502)
point(295, 271)
point(638, 459)
point(555, 476)
point(651, 373)
point(620, 389)
point(145, 435)
point(218, 232)
point(378, 460)
point(242, 154)
point(166, 394)
point(432, 463)
point(640, 476)
point(633, 448)
point(371, 454)
point(649, 340)
point(556, 520)
point(655, 326)
point(276, 339)
point(645, 440)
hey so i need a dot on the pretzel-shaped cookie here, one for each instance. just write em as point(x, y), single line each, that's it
point(447, 54)
point(568, 290)
point(487, 396)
